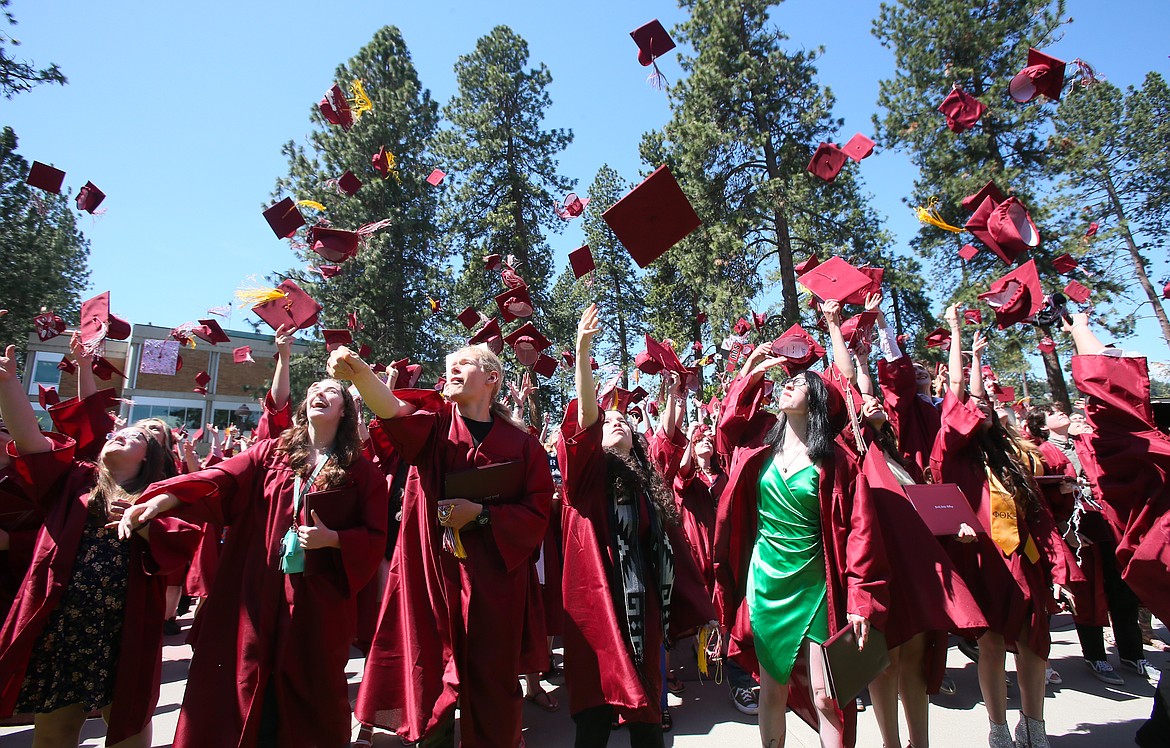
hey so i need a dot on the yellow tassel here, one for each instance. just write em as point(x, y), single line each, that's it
point(930, 215)
point(460, 552)
point(704, 638)
point(361, 102)
point(256, 296)
point(311, 204)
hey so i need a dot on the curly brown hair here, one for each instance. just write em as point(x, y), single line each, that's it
point(630, 474)
point(294, 443)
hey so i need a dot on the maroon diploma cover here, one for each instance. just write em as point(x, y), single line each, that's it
point(943, 507)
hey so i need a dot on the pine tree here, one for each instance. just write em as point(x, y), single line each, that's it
point(18, 76)
point(399, 267)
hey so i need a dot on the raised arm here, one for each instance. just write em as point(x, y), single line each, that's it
point(16, 410)
point(672, 407)
point(379, 398)
point(86, 385)
point(1084, 338)
point(978, 345)
point(280, 377)
point(844, 362)
point(955, 364)
point(589, 326)
point(864, 380)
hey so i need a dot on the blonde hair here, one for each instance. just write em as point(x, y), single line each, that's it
point(489, 362)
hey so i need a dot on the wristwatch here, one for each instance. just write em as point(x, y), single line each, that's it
point(484, 518)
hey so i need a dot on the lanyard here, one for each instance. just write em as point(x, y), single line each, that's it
point(301, 488)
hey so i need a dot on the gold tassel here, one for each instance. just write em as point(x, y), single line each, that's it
point(257, 296)
point(361, 102)
point(930, 215)
point(312, 204)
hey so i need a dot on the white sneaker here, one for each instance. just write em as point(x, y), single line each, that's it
point(1143, 668)
point(1104, 672)
point(1052, 678)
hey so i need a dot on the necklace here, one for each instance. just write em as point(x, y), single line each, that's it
point(785, 467)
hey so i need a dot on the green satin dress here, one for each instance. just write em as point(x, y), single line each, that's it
point(787, 599)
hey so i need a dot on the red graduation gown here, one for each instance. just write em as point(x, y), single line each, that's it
point(87, 421)
point(21, 518)
point(1012, 591)
point(1132, 460)
point(262, 627)
point(697, 497)
point(447, 622)
point(855, 567)
point(599, 667)
point(61, 488)
point(915, 421)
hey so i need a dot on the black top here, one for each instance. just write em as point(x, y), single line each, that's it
point(479, 429)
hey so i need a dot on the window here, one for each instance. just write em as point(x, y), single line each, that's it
point(189, 417)
point(44, 371)
point(245, 417)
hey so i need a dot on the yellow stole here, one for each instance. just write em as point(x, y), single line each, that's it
point(1005, 525)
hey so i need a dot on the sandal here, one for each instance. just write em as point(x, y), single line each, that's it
point(674, 685)
point(544, 700)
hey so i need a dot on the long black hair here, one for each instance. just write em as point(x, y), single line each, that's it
point(627, 475)
point(1005, 453)
point(820, 430)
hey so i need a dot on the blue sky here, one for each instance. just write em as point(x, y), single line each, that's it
point(177, 111)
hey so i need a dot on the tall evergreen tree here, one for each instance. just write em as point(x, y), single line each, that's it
point(503, 161)
point(19, 76)
point(399, 267)
point(45, 257)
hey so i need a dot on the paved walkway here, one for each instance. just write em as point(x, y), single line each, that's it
point(1082, 713)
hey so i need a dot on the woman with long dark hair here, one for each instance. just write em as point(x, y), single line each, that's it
point(1014, 568)
point(616, 511)
point(308, 526)
point(85, 630)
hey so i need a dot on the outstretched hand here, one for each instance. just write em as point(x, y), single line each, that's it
point(832, 311)
point(587, 328)
point(345, 364)
point(8, 365)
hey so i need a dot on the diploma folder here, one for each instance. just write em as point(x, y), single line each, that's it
point(499, 483)
point(943, 507)
point(849, 670)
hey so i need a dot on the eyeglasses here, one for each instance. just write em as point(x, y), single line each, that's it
point(796, 382)
point(129, 434)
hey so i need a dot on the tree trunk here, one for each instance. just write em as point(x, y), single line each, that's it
point(1139, 267)
point(1056, 384)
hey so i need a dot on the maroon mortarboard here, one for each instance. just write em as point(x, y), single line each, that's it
point(491, 262)
point(511, 278)
point(335, 108)
point(647, 364)
point(47, 396)
point(572, 207)
point(593, 365)
point(652, 41)
point(875, 276)
point(979, 224)
point(436, 177)
point(352, 322)
point(1005, 394)
point(827, 161)
point(545, 366)
point(104, 370)
point(380, 368)
point(45, 177)
point(700, 318)
point(569, 359)
point(973, 316)
point(294, 308)
point(527, 342)
point(334, 339)
point(202, 379)
point(1044, 75)
point(210, 331)
point(638, 394)
point(1046, 345)
point(940, 338)
point(335, 245)
point(329, 271)
point(284, 218)
point(636, 412)
point(961, 109)
point(858, 147)
point(581, 259)
point(1077, 291)
point(834, 279)
point(652, 217)
point(514, 303)
point(67, 365)
point(197, 435)
point(490, 336)
point(98, 323)
point(1012, 227)
point(759, 320)
point(365, 351)
point(89, 197)
point(1015, 297)
point(799, 348)
point(968, 252)
point(408, 373)
point(468, 317)
point(348, 183)
point(178, 364)
point(803, 267)
point(857, 329)
point(48, 325)
point(664, 355)
point(972, 202)
point(741, 326)
point(652, 408)
point(697, 347)
point(614, 397)
point(243, 355)
point(1064, 264)
point(381, 162)
point(1166, 291)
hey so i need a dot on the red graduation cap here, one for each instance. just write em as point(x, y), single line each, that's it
point(1044, 75)
point(858, 147)
point(210, 331)
point(47, 396)
point(365, 352)
point(1016, 297)
point(700, 318)
point(202, 379)
point(652, 217)
point(1005, 394)
point(581, 260)
point(511, 278)
point(799, 348)
point(335, 245)
point(527, 342)
point(284, 218)
point(349, 183)
point(294, 308)
point(384, 162)
point(834, 279)
point(1092, 230)
point(469, 317)
point(1166, 291)
point(1065, 264)
point(514, 303)
point(98, 324)
point(652, 408)
point(104, 370)
point(408, 373)
point(243, 355)
point(638, 394)
point(645, 363)
point(759, 319)
point(334, 339)
point(545, 366)
point(961, 109)
point(352, 322)
point(1077, 291)
point(1046, 345)
point(803, 267)
point(858, 329)
point(968, 252)
point(1012, 227)
point(67, 365)
point(979, 224)
point(89, 197)
point(875, 285)
point(48, 325)
point(827, 161)
point(490, 336)
point(972, 202)
point(652, 41)
point(328, 271)
point(569, 359)
point(335, 108)
point(613, 397)
point(491, 262)
point(973, 316)
point(741, 327)
point(45, 177)
point(573, 206)
point(940, 338)
point(664, 355)
point(436, 177)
